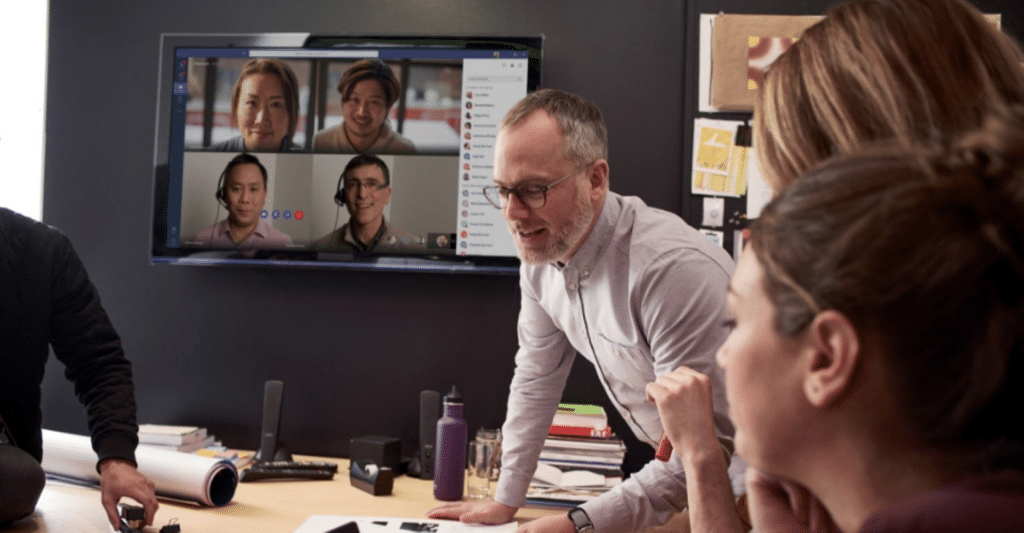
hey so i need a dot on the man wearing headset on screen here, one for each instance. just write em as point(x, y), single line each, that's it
point(242, 190)
point(364, 188)
point(634, 290)
point(47, 300)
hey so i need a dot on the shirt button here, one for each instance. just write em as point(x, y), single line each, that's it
point(572, 286)
point(586, 273)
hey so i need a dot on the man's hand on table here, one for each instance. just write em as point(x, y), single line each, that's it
point(478, 512)
point(119, 478)
point(493, 513)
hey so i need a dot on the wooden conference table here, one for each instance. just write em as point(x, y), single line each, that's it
point(268, 506)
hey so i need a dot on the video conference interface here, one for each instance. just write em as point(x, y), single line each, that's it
point(441, 123)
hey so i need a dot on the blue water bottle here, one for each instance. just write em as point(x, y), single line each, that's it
point(450, 450)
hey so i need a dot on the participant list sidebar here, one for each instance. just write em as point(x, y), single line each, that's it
point(490, 88)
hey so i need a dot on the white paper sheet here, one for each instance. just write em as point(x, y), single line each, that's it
point(322, 523)
point(759, 193)
point(707, 27)
point(185, 476)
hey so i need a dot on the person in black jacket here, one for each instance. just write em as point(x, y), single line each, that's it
point(46, 299)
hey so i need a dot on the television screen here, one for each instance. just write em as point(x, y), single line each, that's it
point(334, 151)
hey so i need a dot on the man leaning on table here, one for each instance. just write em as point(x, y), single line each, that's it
point(633, 289)
point(46, 299)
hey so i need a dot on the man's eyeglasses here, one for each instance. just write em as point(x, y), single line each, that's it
point(533, 196)
point(351, 185)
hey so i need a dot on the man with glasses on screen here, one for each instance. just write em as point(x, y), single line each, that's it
point(633, 289)
point(365, 190)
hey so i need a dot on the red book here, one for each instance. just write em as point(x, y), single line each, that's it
point(577, 431)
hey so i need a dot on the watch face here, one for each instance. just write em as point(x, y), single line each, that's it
point(580, 520)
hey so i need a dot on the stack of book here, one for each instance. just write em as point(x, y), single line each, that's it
point(581, 458)
point(191, 439)
point(186, 439)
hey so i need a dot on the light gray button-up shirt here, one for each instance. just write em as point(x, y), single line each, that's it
point(643, 295)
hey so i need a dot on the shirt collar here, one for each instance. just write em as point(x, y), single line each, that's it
point(595, 243)
point(224, 231)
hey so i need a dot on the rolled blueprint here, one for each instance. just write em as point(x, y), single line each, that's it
point(207, 480)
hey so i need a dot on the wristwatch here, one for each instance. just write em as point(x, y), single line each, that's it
point(580, 520)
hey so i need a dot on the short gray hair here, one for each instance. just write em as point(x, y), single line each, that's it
point(581, 122)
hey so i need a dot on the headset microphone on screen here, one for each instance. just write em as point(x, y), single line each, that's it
point(339, 195)
point(222, 198)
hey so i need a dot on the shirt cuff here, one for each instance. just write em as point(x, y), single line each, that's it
point(511, 490)
point(605, 517)
point(115, 446)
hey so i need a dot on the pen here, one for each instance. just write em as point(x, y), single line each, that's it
point(664, 452)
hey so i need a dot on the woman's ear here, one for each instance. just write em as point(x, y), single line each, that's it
point(833, 357)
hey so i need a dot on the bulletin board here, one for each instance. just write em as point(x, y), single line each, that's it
point(728, 45)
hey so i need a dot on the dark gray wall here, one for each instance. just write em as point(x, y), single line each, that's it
point(353, 348)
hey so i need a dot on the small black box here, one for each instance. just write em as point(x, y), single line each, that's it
point(381, 451)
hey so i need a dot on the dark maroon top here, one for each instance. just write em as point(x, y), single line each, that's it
point(991, 503)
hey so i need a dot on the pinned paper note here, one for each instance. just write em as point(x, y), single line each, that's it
point(759, 193)
point(715, 236)
point(761, 53)
point(726, 48)
point(714, 212)
point(739, 240)
point(719, 165)
point(714, 148)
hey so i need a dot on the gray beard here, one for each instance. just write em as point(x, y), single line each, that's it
point(565, 240)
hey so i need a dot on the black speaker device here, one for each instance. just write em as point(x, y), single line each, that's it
point(377, 450)
point(430, 411)
point(270, 448)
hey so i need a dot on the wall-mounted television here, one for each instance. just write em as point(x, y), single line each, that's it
point(310, 151)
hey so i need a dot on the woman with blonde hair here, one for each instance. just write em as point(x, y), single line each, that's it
point(896, 74)
point(875, 364)
point(901, 71)
point(875, 371)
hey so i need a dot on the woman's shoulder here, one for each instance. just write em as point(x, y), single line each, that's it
point(993, 503)
point(233, 144)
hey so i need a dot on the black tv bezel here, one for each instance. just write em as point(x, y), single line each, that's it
point(160, 253)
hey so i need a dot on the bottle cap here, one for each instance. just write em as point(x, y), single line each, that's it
point(453, 396)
